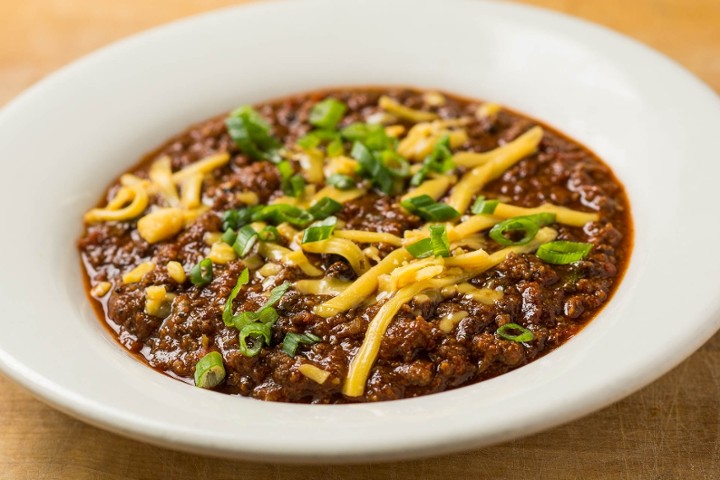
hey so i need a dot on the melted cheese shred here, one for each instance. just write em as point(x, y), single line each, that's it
point(312, 161)
point(314, 373)
point(401, 111)
point(137, 205)
point(340, 246)
point(434, 187)
point(363, 361)
point(204, 166)
point(364, 286)
point(324, 286)
point(563, 215)
point(338, 195)
point(422, 137)
point(160, 174)
point(191, 189)
point(289, 257)
point(503, 158)
point(361, 236)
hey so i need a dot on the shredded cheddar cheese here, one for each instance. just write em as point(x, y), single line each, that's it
point(344, 248)
point(361, 236)
point(137, 273)
point(100, 289)
point(160, 174)
point(314, 373)
point(161, 224)
point(176, 272)
point(391, 106)
point(504, 158)
point(364, 359)
point(364, 286)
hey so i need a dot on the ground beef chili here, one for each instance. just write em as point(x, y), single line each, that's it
point(420, 352)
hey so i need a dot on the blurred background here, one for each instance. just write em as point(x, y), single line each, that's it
point(670, 429)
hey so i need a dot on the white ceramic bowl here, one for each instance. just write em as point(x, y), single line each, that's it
point(68, 136)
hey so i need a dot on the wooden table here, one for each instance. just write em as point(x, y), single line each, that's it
point(670, 429)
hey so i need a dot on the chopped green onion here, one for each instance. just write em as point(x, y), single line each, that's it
point(341, 182)
point(528, 225)
point(292, 340)
point(234, 219)
point(328, 113)
point(256, 325)
point(229, 236)
point(319, 230)
point(317, 137)
point(395, 163)
point(282, 212)
point(251, 133)
point(439, 160)
point(440, 241)
point(276, 294)
point(324, 207)
point(482, 206)
point(515, 333)
point(202, 273)
point(242, 280)
point(373, 136)
point(428, 209)
point(259, 333)
point(373, 168)
point(269, 234)
point(421, 249)
point(293, 184)
point(209, 371)
point(437, 245)
point(309, 141)
point(231, 220)
point(335, 148)
point(562, 252)
point(246, 238)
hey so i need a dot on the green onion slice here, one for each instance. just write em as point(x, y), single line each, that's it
point(437, 245)
point(428, 209)
point(269, 234)
point(328, 113)
point(234, 219)
point(373, 168)
point(259, 333)
point(293, 340)
point(251, 133)
point(528, 225)
point(282, 212)
point(341, 182)
point(319, 230)
point(562, 252)
point(439, 239)
point(324, 207)
point(482, 206)
point(229, 236)
point(202, 273)
point(209, 371)
point(335, 148)
point(246, 238)
point(515, 333)
point(421, 249)
point(439, 160)
point(293, 184)
point(276, 294)
point(373, 136)
point(242, 280)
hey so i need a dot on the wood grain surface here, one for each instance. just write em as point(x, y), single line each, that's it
point(669, 430)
